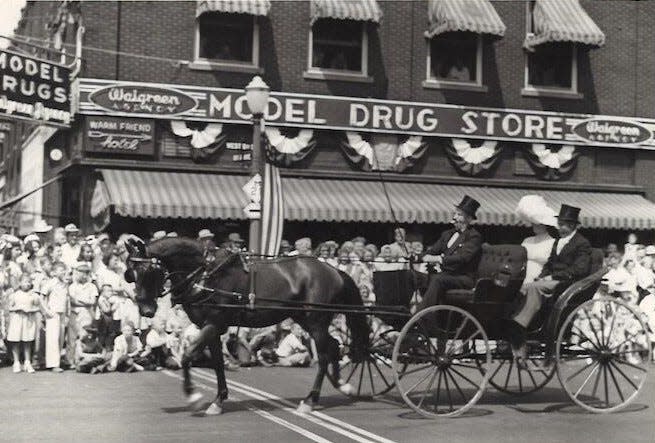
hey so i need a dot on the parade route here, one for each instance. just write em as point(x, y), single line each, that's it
point(149, 407)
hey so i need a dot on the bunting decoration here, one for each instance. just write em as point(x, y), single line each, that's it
point(473, 160)
point(272, 210)
point(204, 142)
point(552, 164)
point(383, 152)
point(285, 151)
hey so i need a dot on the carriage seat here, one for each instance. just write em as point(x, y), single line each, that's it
point(494, 258)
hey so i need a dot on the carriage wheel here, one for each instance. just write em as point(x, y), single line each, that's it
point(374, 374)
point(603, 354)
point(511, 379)
point(441, 361)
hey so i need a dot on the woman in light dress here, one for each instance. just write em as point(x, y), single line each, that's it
point(534, 210)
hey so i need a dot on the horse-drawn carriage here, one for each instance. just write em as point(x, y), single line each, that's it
point(441, 358)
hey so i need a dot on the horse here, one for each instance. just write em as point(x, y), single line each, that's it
point(228, 291)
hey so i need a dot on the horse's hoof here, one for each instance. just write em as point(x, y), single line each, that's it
point(214, 409)
point(304, 408)
point(347, 389)
point(193, 400)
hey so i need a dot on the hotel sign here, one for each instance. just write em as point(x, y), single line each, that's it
point(365, 115)
point(34, 89)
point(119, 135)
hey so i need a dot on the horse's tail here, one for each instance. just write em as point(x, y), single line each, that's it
point(359, 328)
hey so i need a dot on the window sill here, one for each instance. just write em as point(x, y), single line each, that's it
point(319, 75)
point(202, 65)
point(436, 84)
point(556, 93)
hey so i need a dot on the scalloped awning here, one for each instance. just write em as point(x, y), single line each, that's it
point(562, 21)
point(252, 7)
point(477, 16)
point(361, 10)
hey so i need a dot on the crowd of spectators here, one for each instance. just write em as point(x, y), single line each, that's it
point(66, 305)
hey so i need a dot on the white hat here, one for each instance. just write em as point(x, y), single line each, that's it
point(534, 209)
point(158, 235)
point(41, 227)
point(205, 233)
point(650, 250)
point(71, 228)
point(172, 234)
point(32, 237)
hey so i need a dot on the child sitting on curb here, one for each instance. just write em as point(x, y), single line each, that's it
point(127, 349)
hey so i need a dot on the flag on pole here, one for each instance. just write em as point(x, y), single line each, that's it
point(272, 210)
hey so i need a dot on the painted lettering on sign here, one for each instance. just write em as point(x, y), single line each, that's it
point(143, 100)
point(612, 131)
point(120, 136)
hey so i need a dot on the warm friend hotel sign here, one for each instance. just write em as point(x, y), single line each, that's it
point(102, 97)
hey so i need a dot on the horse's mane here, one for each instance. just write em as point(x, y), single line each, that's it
point(184, 249)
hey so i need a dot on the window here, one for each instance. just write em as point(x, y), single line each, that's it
point(227, 39)
point(455, 57)
point(338, 46)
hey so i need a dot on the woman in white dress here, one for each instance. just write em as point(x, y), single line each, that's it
point(533, 209)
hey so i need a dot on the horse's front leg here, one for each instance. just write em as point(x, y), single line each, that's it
point(193, 396)
point(216, 349)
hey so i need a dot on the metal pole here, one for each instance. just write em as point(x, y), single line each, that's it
point(256, 167)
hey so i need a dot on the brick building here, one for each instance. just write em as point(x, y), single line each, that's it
point(434, 98)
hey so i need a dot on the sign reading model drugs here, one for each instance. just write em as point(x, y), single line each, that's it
point(34, 89)
point(108, 97)
point(120, 136)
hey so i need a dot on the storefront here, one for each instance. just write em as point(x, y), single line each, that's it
point(177, 157)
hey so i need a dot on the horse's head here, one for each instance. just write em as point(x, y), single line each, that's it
point(147, 273)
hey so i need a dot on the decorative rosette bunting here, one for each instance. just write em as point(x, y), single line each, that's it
point(383, 152)
point(473, 160)
point(551, 163)
point(204, 142)
point(285, 151)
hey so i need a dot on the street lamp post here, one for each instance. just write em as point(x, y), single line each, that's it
point(257, 96)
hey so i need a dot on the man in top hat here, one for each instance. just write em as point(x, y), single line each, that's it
point(569, 261)
point(457, 252)
point(70, 250)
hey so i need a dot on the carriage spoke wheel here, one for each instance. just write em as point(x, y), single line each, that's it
point(507, 377)
point(603, 354)
point(441, 361)
point(373, 375)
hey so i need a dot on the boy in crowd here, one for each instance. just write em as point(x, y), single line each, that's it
point(291, 351)
point(127, 349)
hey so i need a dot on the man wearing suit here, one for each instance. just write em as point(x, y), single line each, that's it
point(457, 252)
point(569, 261)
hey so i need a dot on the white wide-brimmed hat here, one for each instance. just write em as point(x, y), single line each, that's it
point(205, 233)
point(41, 227)
point(158, 235)
point(534, 209)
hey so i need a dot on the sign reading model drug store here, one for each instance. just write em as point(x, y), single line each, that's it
point(107, 97)
point(34, 89)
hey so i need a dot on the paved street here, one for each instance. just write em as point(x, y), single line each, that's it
point(149, 407)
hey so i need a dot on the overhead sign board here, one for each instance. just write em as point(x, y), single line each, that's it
point(119, 135)
point(381, 116)
point(34, 89)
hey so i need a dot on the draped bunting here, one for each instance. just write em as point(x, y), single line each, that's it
point(284, 151)
point(473, 160)
point(205, 142)
point(385, 153)
point(552, 164)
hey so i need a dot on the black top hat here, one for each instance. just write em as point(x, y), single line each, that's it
point(569, 213)
point(468, 206)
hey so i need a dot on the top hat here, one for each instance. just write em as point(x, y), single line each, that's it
point(205, 233)
point(569, 213)
point(468, 206)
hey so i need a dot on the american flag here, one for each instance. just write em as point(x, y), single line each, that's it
point(272, 210)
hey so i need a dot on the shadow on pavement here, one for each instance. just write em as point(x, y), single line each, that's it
point(570, 408)
point(471, 413)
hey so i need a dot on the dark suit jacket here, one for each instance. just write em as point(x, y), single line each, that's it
point(463, 257)
point(572, 263)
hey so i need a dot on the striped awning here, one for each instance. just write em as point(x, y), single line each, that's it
point(562, 21)
point(362, 10)
point(186, 195)
point(477, 16)
point(252, 7)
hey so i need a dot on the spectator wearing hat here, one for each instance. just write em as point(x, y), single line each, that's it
point(205, 235)
point(457, 252)
point(127, 348)
point(83, 296)
point(303, 246)
point(533, 209)
point(29, 259)
point(71, 249)
point(236, 242)
point(158, 235)
point(90, 357)
point(399, 247)
point(285, 247)
point(569, 261)
point(42, 229)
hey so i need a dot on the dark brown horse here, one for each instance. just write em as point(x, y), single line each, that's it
point(283, 287)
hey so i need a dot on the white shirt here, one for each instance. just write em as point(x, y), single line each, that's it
point(564, 241)
point(453, 239)
point(289, 346)
point(69, 254)
point(538, 249)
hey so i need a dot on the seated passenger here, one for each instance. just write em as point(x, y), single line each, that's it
point(533, 209)
point(457, 252)
point(569, 261)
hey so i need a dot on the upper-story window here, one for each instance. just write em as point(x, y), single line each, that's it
point(339, 46)
point(455, 57)
point(553, 65)
point(227, 38)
